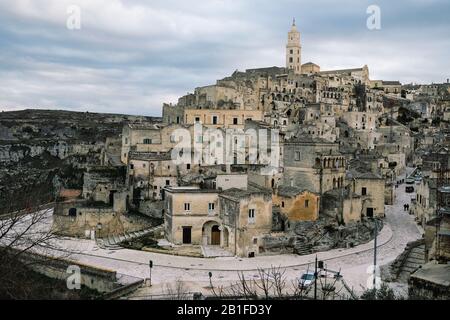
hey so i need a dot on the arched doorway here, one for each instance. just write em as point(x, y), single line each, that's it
point(215, 236)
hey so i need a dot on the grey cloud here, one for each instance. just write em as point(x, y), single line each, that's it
point(131, 56)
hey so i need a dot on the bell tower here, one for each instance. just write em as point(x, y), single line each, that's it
point(294, 50)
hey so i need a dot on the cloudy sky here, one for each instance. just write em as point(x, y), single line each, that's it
point(130, 56)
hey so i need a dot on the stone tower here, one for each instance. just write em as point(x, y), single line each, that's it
point(294, 50)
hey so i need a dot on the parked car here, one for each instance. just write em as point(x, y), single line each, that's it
point(306, 279)
point(409, 189)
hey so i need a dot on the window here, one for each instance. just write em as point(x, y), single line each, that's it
point(131, 166)
point(187, 206)
point(214, 119)
point(297, 155)
point(126, 140)
point(72, 212)
point(144, 165)
point(147, 141)
point(291, 60)
point(167, 182)
point(197, 119)
point(251, 215)
point(363, 191)
point(211, 206)
point(235, 120)
point(188, 166)
point(306, 203)
point(178, 119)
point(292, 51)
point(282, 204)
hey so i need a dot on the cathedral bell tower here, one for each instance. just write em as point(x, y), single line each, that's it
point(294, 50)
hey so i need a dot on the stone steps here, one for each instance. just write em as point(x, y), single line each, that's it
point(413, 261)
point(113, 242)
point(303, 248)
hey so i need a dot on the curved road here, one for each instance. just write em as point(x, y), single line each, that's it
point(399, 229)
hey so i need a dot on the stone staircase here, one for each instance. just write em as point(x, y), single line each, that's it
point(408, 261)
point(302, 248)
point(113, 242)
point(413, 261)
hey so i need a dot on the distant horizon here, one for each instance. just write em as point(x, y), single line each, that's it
point(130, 57)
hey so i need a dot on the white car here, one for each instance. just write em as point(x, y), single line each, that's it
point(306, 279)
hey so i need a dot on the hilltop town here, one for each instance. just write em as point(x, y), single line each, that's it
point(309, 161)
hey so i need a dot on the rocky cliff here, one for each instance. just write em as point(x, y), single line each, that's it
point(43, 150)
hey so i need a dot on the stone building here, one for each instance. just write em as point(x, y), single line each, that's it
point(192, 216)
point(313, 164)
point(234, 219)
point(371, 188)
point(246, 217)
point(297, 204)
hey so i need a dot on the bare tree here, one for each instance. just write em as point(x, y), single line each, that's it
point(176, 292)
point(24, 233)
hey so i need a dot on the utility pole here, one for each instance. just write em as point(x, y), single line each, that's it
point(315, 279)
point(375, 259)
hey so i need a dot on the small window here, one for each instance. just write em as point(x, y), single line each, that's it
point(147, 141)
point(211, 206)
point(251, 215)
point(131, 166)
point(363, 191)
point(197, 119)
point(188, 166)
point(306, 203)
point(235, 120)
point(282, 204)
point(187, 206)
point(214, 119)
point(167, 182)
point(73, 212)
point(178, 119)
point(144, 165)
point(297, 155)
